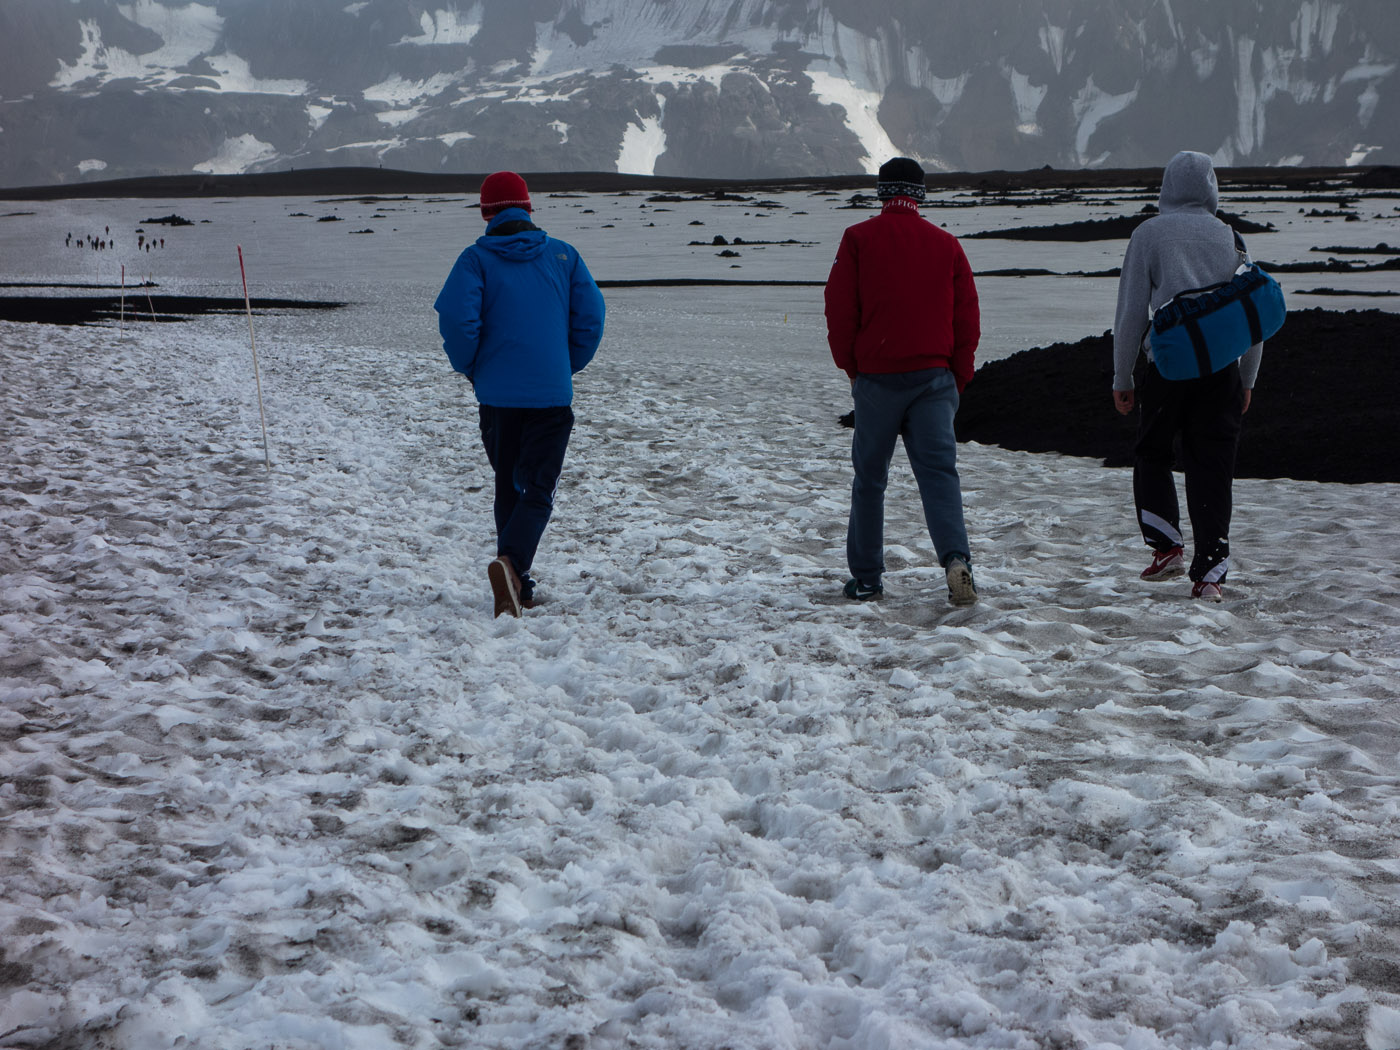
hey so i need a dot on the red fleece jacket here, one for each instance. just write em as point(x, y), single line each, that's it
point(901, 298)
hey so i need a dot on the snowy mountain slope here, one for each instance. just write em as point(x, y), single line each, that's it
point(748, 88)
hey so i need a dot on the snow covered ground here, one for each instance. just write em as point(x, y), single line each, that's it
point(272, 776)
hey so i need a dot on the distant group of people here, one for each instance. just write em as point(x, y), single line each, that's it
point(520, 314)
point(106, 242)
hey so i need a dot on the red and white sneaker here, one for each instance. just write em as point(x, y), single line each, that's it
point(1166, 565)
point(1207, 591)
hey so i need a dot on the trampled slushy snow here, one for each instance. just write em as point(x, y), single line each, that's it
point(271, 775)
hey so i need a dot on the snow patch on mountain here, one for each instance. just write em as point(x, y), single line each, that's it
point(539, 61)
point(862, 116)
point(447, 27)
point(855, 71)
point(713, 74)
point(1359, 154)
point(1052, 41)
point(1204, 57)
point(396, 91)
point(238, 155)
point(632, 32)
point(1370, 97)
point(396, 118)
point(1174, 26)
point(377, 147)
point(185, 31)
point(236, 75)
point(1250, 99)
point(643, 142)
point(1028, 98)
point(874, 63)
point(1092, 106)
point(853, 53)
point(1316, 26)
point(184, 36)
point(920, 73)
point(188, 33)
point(89, 64)
point(537, 91)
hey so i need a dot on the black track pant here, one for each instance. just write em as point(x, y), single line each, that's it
point(1207, 413)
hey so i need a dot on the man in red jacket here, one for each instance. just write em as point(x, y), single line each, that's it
point(902, 320)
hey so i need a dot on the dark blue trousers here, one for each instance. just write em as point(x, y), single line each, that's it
point(919, 408)
point(525, 447)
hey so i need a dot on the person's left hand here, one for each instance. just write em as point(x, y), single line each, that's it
point(1248, 396)
point(1123, 400)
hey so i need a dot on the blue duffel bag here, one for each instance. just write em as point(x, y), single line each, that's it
point(1197, 333)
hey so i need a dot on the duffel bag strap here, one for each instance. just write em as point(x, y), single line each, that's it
point(1198, 346)
point(1251, 316)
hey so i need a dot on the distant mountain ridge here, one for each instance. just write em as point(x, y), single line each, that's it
point(737, 89)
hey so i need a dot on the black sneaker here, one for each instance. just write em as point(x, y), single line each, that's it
point(863, 592)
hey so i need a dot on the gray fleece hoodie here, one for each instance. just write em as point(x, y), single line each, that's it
point(1184, 247)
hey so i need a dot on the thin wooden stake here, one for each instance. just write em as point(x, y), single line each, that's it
point(121, 322)
point(267, 456)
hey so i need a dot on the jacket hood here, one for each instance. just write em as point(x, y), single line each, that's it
point(1189, 183)
point(527, 244)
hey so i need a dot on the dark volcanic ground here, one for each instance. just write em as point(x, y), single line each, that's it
point(324, 182)
point(1326, 406)
point(136, 307)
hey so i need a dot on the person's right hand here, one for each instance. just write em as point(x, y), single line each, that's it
point(1123, 400)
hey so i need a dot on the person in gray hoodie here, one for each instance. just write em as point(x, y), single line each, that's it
point(1185, 247)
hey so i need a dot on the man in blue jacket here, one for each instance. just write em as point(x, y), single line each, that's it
point(519, 315)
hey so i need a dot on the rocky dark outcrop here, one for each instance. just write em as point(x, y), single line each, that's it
point(1310, 418)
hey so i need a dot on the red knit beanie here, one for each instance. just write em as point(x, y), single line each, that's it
point(502, 190)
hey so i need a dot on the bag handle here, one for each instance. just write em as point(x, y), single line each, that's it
point(1245, 261)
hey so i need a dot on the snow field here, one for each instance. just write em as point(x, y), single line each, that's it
point(270, 773)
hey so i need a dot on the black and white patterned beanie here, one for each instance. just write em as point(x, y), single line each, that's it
point(900, 177)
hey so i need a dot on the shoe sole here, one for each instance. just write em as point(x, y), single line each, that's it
point(961, 590)
point(1171, 572)
point(507, 600)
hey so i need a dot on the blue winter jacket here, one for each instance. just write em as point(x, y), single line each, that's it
point(519, 315)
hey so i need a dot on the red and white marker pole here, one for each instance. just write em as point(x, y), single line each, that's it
point(248, 303)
